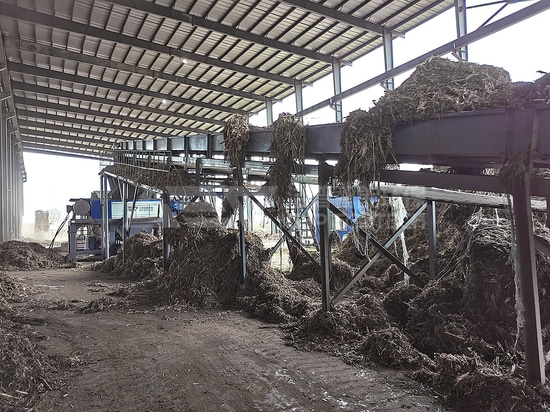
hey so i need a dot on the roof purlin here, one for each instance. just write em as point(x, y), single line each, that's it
point(54, 74)
point(69, 95)
point(37, 18)
point(193, 20)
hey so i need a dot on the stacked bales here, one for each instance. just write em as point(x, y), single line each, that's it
point(17, 255)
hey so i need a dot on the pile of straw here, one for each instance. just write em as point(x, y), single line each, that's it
point(436, 86)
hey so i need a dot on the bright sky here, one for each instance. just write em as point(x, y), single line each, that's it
point(521, 49)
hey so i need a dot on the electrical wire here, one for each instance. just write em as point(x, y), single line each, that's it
point(59, 229)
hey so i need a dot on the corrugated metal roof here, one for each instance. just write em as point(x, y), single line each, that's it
point(141, 69)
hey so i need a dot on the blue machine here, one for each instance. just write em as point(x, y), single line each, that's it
point(85, 226)
point(352, 207)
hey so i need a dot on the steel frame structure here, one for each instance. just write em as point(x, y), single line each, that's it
point(70, 123)
point(478, 139)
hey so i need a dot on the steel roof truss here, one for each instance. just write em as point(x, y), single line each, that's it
point(35, 71)
point(71, 26)
point(193, 20)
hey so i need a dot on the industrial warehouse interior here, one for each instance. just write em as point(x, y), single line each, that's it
point(299, 206)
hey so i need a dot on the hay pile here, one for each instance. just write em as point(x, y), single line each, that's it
point(436, 86)
point(205, 271)
point(456, 335)
point(204, 268)
point(360, 332)
point(531, 93)
point(17, 255)
point(490, 289)
point(288, 150)
point(197, 214)
point(25, 370)
point(159, 177)
point(271, 296)
point(141, 258)
point(303, 269)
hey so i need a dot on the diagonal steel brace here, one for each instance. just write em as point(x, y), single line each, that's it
point(280, 226)
point(381, 249)
point(293, 225)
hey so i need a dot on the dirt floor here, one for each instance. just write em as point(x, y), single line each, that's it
point(173, 359)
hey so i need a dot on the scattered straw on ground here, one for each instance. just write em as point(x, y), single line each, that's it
point(25, 370)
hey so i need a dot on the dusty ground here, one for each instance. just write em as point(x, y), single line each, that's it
point(178, 360)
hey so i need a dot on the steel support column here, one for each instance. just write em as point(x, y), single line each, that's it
point(269, 111)
point(19, 196)
point(249, 215)
point(387, 39)
point(432, 239)
point(3, 183)
point(124, 216)
point(324, 232)
point(337, 82)
point(198, 171)
point(298, 94)
point(9, 177)
point(104, 198)
point(166, 215)
point(3, 175)
point(242, 236)
point(461, 28)
point(527, 273)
